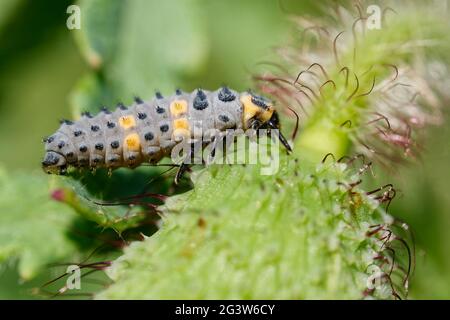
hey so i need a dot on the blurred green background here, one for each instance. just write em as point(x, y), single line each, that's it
point(216, 42)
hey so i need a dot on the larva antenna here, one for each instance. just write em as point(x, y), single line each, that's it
point(282, 139)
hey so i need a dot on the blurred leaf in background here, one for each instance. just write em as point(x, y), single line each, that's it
point(424, 202)
point(38, 65)
point(38, 237)
point(8, 9)
point(138, 47)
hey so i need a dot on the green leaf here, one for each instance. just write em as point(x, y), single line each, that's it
point(90, 94)
point(121, 199)
point(117, 217)
point(99, 26)
point(294, 235)
point(33, 228)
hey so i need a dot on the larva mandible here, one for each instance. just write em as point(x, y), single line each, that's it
point(147, 131)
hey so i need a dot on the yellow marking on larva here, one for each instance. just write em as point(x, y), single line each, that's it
point(132, 142)
point(127, 122)
point(181, 128)
point(178, 107)
point(181, 123)
point(251, 110)
point(267, 114)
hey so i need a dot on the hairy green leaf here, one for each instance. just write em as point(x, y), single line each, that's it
point(294, 235)
point(33, 228)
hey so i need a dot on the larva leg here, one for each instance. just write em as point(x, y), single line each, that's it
point(181, 170)
point(195, 147)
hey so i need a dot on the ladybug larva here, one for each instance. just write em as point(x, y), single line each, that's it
point(148, 130)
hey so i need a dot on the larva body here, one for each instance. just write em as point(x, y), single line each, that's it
point(148, 130)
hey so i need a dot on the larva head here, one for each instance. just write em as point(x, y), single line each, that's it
point(54, 161)
point(259, 113)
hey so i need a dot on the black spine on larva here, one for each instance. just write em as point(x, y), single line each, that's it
point(226, 95)
point(105, 110)
point(121, 106)
point(259, 101)
point(200, 100)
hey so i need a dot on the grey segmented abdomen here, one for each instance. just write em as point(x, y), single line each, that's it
point(147, 130)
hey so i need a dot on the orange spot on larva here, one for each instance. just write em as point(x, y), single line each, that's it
point(132, 142)
point(178, 107)
point(181, 128)
point(127, 122)
point(181, 123)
